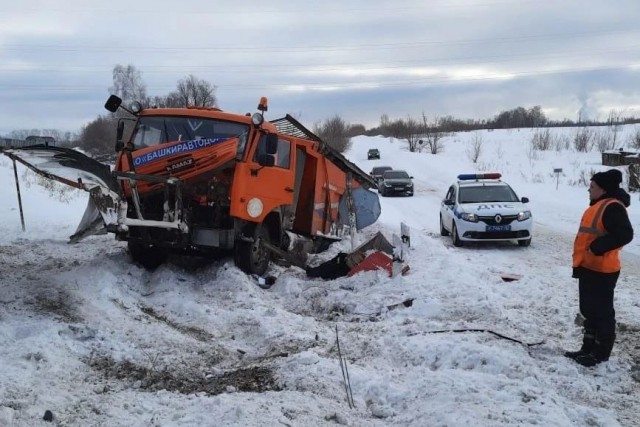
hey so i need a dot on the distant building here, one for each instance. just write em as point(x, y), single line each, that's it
point(12, 143)
point(34, 139)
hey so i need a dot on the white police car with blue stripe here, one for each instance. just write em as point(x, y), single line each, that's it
point(481, 207)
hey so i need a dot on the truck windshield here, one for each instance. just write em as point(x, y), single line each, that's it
point(150, 131)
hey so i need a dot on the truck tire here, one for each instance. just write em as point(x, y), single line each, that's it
point(253, 257)
point(149, 257)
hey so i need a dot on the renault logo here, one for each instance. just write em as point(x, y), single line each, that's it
point(498, 219)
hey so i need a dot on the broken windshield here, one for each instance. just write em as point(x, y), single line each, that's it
point(156, 130)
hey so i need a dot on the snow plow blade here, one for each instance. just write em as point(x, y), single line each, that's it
point(65, 165)
point(77, 170)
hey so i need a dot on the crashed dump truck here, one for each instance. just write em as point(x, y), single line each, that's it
point(197, 181)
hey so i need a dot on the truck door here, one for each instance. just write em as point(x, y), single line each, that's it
point(272, 186)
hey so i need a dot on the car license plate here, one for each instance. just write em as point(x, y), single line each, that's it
point(498, 228)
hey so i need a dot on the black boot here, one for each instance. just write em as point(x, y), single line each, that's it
point(600, 353)
point(588, 345)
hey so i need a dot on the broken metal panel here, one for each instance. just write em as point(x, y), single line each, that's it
point(65, 165)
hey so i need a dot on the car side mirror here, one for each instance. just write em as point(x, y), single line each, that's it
point(525, 200)
point(448, 202)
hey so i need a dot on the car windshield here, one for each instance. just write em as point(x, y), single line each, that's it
point(395, 175)
point(156, 130)
point(486, 194)
point(381, 170)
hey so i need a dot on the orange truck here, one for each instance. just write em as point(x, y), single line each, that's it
point(199, 181)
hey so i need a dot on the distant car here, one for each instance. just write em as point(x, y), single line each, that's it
point(376, 172)
point(373, 153)
point(481, 207)
point(395, 182)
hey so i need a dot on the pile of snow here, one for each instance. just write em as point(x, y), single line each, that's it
point(99, 341)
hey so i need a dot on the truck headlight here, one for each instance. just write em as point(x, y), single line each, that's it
point(471, 217)
point(255, 207)
point(522, 216)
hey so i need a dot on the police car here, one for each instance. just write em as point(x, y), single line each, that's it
point(481, 207)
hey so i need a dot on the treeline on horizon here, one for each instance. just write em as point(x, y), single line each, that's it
point(518, 117)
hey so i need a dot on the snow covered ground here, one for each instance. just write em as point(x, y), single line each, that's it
point(98, 341)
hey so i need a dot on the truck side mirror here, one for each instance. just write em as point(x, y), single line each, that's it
point(448, 202)
point(267, 160)
point(113, 103)
point(525, 200)
point(119, 133)
point(271, 144)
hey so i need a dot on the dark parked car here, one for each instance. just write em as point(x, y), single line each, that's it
point(373, 153)
point(376, 173)
point(395, 182)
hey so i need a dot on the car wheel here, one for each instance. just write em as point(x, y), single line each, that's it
point(524, 242)
point(454, 236)
point(443, 231)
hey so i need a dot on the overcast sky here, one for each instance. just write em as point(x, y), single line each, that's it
point(357, 59)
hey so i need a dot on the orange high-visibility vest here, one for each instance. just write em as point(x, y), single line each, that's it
point(591, 227)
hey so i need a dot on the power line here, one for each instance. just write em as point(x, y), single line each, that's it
point(363, 66)
point(307, 49)
point(338, 85)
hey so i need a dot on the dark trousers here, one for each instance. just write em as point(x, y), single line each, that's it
point(596, 305)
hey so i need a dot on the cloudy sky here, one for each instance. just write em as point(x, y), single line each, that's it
point(357, 59)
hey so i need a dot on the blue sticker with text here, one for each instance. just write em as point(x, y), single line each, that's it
point(182, 147)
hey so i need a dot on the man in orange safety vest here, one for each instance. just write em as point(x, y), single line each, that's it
point(604, 230)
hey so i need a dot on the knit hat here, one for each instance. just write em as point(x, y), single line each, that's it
point(609, 180)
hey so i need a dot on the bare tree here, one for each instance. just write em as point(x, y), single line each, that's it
point(99, 136)
point(432, 135)
point(475, 148)
point(615, 119)
point(605, 139)
point(128, 84)
point(634, 139)
point(582, 140)
point(412, 131)
point(541, 140)
point(194, 92)
point(334, 131)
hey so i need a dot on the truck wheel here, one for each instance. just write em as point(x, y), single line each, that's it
point(253, 257)
point(148, 257)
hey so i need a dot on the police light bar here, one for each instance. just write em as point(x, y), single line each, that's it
point(476, 176)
